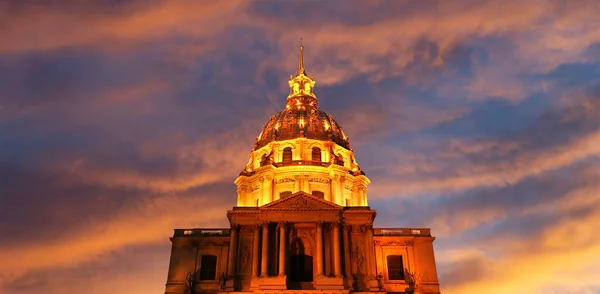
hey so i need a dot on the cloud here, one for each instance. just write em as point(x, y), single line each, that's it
point(105, 25)
point(120, 120)
point(558, 138)
point(540, 260)
point(148, 222)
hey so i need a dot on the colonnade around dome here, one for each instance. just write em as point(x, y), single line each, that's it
point(321, 168)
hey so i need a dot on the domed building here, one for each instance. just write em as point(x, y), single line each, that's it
point(302, 223)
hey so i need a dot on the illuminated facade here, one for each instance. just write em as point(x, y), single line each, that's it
point(302, 223)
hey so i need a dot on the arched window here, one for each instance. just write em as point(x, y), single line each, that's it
point(208, 267)
point(318, 194)
point(285, 194)
point(287, 154)
point(316, 154)
point(264, 160)
point(395, 267)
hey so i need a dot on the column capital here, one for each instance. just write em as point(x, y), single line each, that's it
point(234, 227)
point(265, 223)
point(336, 224)
point(282, 225)
point(246, 229)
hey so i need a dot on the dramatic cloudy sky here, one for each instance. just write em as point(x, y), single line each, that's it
point(121, 120)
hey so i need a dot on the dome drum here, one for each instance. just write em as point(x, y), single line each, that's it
point(302, 149)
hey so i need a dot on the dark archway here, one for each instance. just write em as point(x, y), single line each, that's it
point(301, 264)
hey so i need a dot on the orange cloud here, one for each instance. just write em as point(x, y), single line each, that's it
point(150, 222)
point(559, 257)
point(101, 26)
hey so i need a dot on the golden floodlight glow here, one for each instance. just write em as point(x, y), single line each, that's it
point(300, 189)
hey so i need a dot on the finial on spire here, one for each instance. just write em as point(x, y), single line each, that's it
point(301, 63)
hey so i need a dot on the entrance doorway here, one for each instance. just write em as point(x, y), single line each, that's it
point(301, 264)
point(301, 268)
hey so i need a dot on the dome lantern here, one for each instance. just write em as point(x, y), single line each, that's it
point(302, 148)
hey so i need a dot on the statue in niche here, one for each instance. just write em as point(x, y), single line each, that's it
point(245, 257)
point(380, 281)
point(307, 87)
point(359, 259)
point(222, 280)
point(296, 88)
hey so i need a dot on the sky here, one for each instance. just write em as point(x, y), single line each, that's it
point(122, 120)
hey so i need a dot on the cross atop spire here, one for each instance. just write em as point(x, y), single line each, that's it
point(301, 85)
point(301, 62)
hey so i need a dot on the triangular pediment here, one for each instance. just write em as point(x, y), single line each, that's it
point(301, 201)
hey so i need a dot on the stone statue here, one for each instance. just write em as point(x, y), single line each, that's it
point(191, 283)
point(358, 259)
point(380, 281)
point(222, 280)
point(307, 87)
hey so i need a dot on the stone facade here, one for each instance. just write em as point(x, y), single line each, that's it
point(302, 223)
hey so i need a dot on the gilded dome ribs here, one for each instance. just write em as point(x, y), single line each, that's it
point(302, 141)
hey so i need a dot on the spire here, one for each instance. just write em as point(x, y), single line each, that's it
point(301, 85)
point(301, 63)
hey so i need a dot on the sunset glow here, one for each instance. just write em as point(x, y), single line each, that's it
point(123, 120)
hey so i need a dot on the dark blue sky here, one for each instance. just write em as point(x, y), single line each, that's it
point(121, 120)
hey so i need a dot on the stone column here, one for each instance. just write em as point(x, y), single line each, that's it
point(337, 261)
point(282, 243)
point(342, 199)
point(265, 249)
point(370, 251)
point(319, 251)
point(346, 245)
point(335, 187)
point(297, 183)
point(331, 190)
point(305, 183)
point(255, 250)
point(232, 251)
point(364, 197)
point(267, 189)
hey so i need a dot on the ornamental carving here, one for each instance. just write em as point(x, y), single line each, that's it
point(392, 243)
point(284, 180)
point(282, 225)
point(302, 203)
point(319, 180)
point(247, 229)
point(307, 233)
point(359, 229)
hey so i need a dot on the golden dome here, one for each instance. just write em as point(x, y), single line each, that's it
point(301, 117)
